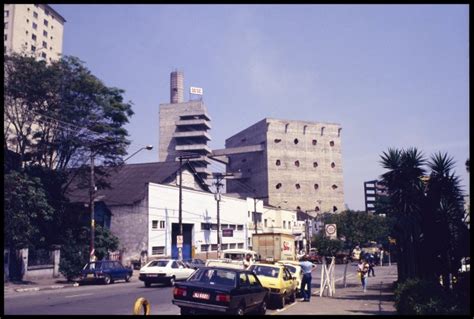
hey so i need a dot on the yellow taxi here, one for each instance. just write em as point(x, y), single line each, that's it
point(278, 280)
point(295, 270)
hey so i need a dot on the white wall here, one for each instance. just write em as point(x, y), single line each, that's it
point(197, 207)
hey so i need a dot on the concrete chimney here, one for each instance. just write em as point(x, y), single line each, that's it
point(176, 87)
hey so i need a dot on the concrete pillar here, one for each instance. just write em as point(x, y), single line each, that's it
point(56, 258)
point(23, 256)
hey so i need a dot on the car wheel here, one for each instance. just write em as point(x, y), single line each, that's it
point(147, 284)
point(240, 311)
point(171, 281)
point(127, 278)
point(263, 308)
point(107, 279)
point(293, 297)
point(281, 302)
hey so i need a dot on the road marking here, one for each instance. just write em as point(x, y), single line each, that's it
point(285, 308)
point(78, 295)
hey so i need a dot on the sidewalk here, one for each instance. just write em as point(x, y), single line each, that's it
point(378, 300)
point(42, 284)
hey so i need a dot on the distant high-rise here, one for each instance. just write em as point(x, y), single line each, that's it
point(299, 168)
point(373, 190)
point(33, 29)
point(184, 127)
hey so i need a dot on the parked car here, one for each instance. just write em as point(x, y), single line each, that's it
point(295, 270)
point(194, 263)
point(279, 282)
point(106, 271)
point(221, 290)
point(164, 271)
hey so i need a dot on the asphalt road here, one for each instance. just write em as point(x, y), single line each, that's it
point(114, 299)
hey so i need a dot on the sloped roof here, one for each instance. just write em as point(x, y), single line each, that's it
point(300, 215)
point(128, 183)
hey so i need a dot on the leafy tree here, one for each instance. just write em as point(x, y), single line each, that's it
point(325, 246)
point(25, 207)
point(104, 242)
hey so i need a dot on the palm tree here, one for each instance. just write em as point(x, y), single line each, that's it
point(446, 236)
point(405, 190)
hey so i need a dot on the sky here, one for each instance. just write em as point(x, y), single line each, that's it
point(393, 76)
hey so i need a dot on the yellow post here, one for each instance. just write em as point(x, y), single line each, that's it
point(141, 307)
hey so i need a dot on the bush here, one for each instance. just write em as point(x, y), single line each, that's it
point(422, 297)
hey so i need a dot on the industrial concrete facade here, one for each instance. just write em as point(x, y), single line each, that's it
point(184, 128)
point(33, 29)
point(299, 169)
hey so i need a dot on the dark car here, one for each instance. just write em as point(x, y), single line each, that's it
point(194, 263)
point(221, 290)
point(105, 271)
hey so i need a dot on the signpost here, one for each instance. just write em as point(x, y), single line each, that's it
point(179, 241)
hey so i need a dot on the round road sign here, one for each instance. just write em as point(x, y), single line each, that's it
point(330, 229)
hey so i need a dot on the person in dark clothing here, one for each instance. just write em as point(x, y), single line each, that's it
point(371, 261)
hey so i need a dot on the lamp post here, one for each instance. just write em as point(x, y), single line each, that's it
point(219, 177)
point(92, 189)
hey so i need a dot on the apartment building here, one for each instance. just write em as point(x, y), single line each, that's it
point(33, 29)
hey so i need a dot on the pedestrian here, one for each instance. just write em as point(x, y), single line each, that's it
point(306, 267)
point(248, 261)
point(362, 271)
point(371, 262)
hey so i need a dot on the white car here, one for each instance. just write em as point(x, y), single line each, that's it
point(164, 271)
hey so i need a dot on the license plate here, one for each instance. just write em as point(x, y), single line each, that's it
point(152, 275)
point(90, 275)
point(201, 295)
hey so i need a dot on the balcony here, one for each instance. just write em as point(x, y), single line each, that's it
point(191, 134)
point(193, 147)
point(198, 122)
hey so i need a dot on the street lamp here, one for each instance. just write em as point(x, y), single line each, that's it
point(219, 177)
point(92, 190)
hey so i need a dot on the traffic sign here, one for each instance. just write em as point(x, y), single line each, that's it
point(331, 231)
point(179, 241)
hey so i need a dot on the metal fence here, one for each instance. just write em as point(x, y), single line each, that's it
point(40, 257)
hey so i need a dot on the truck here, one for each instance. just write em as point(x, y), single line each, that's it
point(274, 246)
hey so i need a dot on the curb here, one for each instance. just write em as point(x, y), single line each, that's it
point(42, 288)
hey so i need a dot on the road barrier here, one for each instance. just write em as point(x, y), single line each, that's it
point(141, 307)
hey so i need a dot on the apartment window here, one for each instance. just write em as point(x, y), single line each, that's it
point(158, 250)
point(278, 186)
point(331, 143)
point(284, 224)
point(45, 22)
point(205, 226)
point(5, 13)
point(315, 164)
point(51, 38)
point(214, 226)
point(43, 55)
point(315, 142)
point(35, 14)
point(45, 45)
point(298, 186)
point(316, 209)
point(5, 37)
point(289, 224)
point(265, 223)
point(316, 186)
point(5, 25)
point(297, 163)
point(46, 12)
point(224, 246)
point(204, 247)
point(333, 165)
point(162, 224)
point(334, 209)
point(154, 224)
point(295, 141)
point(214, 247)
point(240, 245)
point(224, 226)
point(35, 26)
point(45, 33)
point(278, 163)
point(277, 140)
point(233, 226)
point(334, 186)
point(240, 227)
point(33, 37)
point(231, 246)
point(33, 48)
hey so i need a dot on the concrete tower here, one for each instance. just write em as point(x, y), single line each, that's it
point(184, 127)
point(176, 87)
point(299, 168)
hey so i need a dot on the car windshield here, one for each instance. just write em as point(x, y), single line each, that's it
point(214, 277)
point(92, 266)
point(158, 263)
point(266, 271)
point(291, 268)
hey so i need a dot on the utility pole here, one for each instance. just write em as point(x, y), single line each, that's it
point(180, 208)
point(255, 214)
point(91, 207)
point(307, 235)
point(218, 199)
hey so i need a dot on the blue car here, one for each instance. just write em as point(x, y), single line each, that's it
point(105, 271)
